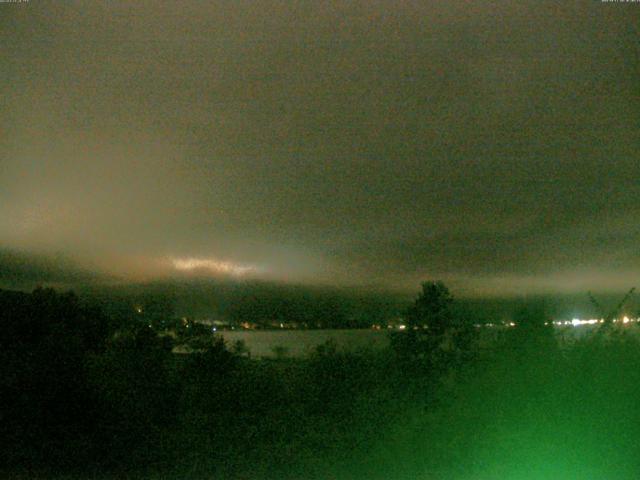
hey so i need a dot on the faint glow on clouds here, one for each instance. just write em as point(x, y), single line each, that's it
point(213, 265)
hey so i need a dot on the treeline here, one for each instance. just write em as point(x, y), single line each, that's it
point(102, 396)
point(88, 393)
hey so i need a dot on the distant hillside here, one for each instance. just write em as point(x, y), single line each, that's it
point(266, 302)
point(25, 271)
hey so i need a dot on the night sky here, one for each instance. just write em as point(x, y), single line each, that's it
point(494, 145)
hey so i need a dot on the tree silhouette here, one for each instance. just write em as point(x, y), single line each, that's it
point(432, 309)
point(434, 332)
point(615, 312)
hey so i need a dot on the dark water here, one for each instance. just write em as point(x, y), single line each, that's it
point(298, 343)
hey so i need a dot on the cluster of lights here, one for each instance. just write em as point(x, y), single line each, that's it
point(213, 265)
point(576, 322)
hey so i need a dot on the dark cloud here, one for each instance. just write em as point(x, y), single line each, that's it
point(349, 142)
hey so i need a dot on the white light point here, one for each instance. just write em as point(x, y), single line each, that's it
point(213, 265)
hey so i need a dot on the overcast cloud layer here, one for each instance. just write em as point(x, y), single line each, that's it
point(492, 144)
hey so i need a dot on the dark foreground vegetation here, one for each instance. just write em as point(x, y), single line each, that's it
point(95, 396)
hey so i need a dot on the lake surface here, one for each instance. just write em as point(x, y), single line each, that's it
point(297, 343)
